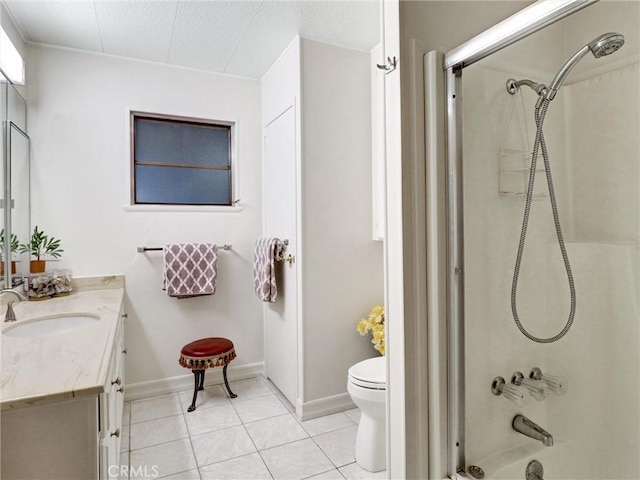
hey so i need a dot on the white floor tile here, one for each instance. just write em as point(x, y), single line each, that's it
point(163, 460)
point(155, 432)
point(190, 475)
point(285, 401)
point(156, 407)
point(331, 475)
point(328, 423)
point(354, 415)
point(356, 472)
point(275, 431)
point(260, 408)
point(211, 419)
point(160, 439)
point(222, 445)
point(248, 389)
point(248, 467)
point(207, 398)
point(339, 445)
point(296, 460)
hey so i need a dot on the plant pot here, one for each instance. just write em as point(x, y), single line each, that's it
point(13, 268)
point(37, 266)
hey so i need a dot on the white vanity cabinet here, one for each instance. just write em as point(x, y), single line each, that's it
point(55, 440)
point(111, 409)
point(63, 395)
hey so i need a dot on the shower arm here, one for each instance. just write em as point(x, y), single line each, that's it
point(514, 85)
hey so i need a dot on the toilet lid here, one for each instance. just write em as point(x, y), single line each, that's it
point(370, 373)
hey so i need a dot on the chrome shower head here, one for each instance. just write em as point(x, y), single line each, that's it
point(606, 44)
point(601, 46)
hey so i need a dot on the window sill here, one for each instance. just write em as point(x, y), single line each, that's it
point(182, 208)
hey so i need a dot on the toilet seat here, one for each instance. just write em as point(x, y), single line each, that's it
point(370, 374)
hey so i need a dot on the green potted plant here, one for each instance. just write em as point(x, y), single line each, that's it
point(14, 246)
point(41, 244)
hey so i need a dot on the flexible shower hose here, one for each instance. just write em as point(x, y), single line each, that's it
point(539, 144)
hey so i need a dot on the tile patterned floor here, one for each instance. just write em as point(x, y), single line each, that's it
point(255, 436)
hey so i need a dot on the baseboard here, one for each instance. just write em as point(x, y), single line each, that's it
point(324, 406)
point(136, 391)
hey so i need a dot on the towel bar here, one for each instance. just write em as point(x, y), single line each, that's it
point(159, 249)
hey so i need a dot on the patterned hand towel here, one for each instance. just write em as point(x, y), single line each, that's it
point(268, 251)
point(190, 269)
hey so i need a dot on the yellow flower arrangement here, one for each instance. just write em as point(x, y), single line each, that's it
point(374, 323)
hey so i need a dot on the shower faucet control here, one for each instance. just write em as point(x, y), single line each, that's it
point(523, 425)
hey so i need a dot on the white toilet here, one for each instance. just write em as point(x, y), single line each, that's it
point(367, 386)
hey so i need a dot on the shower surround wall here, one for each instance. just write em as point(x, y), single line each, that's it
point(494, 345)
point(601, 356)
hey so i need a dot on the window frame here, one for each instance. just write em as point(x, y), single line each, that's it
point(177, 119)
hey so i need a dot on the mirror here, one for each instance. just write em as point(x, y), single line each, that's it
point(15, 194)
point(20, 224)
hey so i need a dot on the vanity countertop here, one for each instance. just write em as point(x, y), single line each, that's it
point(64, 365)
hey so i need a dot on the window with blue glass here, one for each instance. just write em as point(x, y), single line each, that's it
point(178, 161)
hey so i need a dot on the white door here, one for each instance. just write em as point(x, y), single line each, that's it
point(280, 221)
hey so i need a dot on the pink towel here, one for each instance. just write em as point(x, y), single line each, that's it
point(268, 251)
point(190, 269)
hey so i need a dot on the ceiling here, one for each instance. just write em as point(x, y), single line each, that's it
point(236, 37)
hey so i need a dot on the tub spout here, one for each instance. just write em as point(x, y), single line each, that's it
point(523, 425)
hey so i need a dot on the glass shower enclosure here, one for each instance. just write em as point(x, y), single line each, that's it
point(557, 397)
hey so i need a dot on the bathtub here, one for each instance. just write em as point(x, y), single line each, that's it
point(512, 464)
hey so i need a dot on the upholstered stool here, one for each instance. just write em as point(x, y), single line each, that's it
point(207, 353)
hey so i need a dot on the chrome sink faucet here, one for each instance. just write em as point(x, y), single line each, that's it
point(523, 425)
point(10, 316)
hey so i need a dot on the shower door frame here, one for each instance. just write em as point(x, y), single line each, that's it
point(524, 23)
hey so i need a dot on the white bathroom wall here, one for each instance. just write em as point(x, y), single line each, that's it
point(79, 107)
point(343, 269)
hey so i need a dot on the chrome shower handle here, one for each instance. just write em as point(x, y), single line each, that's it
point(537, 388)
point(556, 383)
point(516, 393)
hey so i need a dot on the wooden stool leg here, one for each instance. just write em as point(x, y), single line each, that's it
point(226, 383)
point(201, 387)
point(196, 376)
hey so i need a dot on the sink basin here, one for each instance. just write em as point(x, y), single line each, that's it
point(51, 325)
